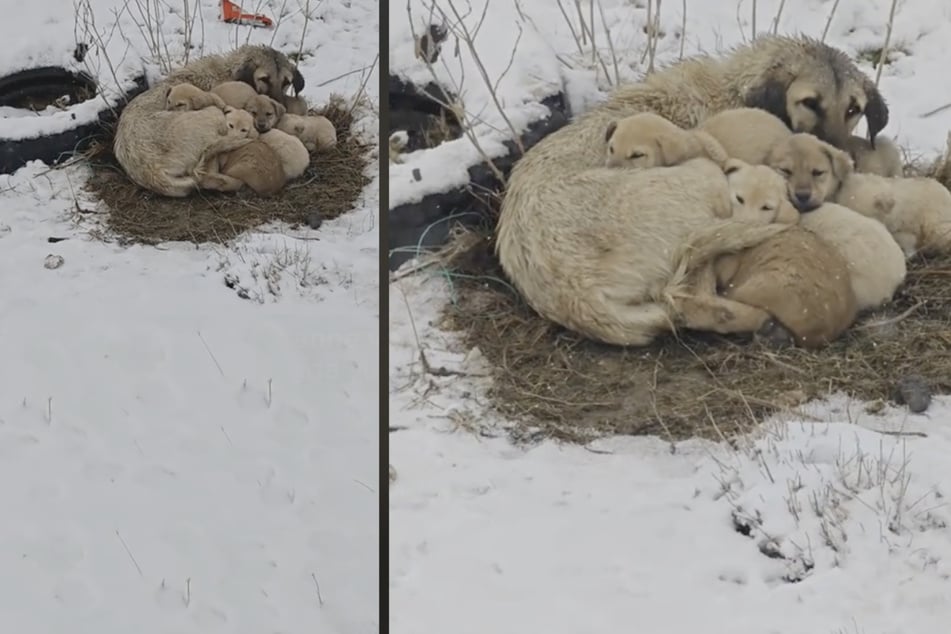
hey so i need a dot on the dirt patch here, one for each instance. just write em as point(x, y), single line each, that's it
point(330, 187)
point(557, 384)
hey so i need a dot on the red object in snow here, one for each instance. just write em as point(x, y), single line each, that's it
point(230, 12)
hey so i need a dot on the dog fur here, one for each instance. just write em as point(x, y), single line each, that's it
point(776, 73)
point(915, 210)
point(316, 132)
point(255, 164)
point(747, 134)
point(812, 168)
point(876, 262)
point(758, 194)
point(648, 140)
point(294, 156)
point(235, 93)
point(184, 97)
point(614, 276)
point(296, 105)
point(799, 279)
point(144, 137)
point(884, 159)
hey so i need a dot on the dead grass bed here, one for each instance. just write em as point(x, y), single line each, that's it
point(556, 384)
point(330, 187)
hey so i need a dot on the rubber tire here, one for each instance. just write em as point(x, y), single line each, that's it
point(54, 148)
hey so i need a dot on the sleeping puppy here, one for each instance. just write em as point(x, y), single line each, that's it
point(648, 140)
point(813, 169)
point(747, 134)
point(884, 159)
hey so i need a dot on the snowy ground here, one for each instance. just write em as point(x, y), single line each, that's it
point(175, 458)
point(847, 521)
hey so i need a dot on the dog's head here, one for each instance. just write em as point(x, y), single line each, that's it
point(269, 72)
point(644, 140)
point(758, 194)
point(265, 111)
point(240, 123)
point(813, 169)
point(819, 89)
point(180, 97)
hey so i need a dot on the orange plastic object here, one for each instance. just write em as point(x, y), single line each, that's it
point(230, 12)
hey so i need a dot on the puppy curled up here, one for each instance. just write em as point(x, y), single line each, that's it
point(884, 159)
point(315, 131)
point(290, 150)
point(747, 134)
point(876, 263)
point(813, 169)
point(649, 140)
point(254, 164)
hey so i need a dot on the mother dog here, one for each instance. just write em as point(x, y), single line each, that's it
point(812, 87)
point(143, 145)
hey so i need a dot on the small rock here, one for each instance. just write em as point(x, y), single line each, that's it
point(417, 175)
point(913, 390)
point(314, 220)
point(53, 261)
point(4, 229)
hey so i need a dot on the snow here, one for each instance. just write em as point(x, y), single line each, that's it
point(636, 533)
point(175, 458)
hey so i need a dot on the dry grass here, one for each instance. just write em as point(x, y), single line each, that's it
point(554, 383)
point(330, 187)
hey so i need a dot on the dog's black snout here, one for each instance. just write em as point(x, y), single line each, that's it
point(802, 198)
point(260, 128)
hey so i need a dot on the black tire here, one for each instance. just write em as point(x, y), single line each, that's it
point(50, 82)
point(426, 224)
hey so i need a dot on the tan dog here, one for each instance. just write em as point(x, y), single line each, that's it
point(296, 105)
point(799, 279)
point(316, 132)
point(184, 97)
point(747, 134)
point(758, 194)
point(266, 112)
point(144, 141)
point(293, 155)
point(876, 262)
point(234, 93)
point(254, 164)
point(884, 159)
point(648, 140)
point(811, 86)
point(916, 211)
point(615, 276)
point(812, 168)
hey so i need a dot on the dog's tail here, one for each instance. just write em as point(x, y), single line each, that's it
point(721, 237)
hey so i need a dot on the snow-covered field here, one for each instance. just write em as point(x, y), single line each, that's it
point(174, 458)
point(847, 520)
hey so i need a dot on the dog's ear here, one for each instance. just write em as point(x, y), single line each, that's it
point(768, 95)
point(840, 160)
point(609, 131)
point(733, 165)
point(876, 111)
point(245, 73)
point(168, 91)
point(297, 82)
point(279, 109)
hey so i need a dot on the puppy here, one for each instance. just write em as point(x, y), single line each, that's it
point(747, 134)
point(316, 132)
point(648, 140)
point(758, 194)
point(295, 105)
point(234, 93)
point(266, 112)
point(184, 97)
point(916, 211)
point(293, 155)
point(799, 279)
point(876, 262)
point(256, 166)
point(812, 168)
point(884, 159)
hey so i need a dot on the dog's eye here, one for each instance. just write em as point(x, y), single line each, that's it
point(266, 79)
point(818, 173)
point(766, 208)
point(739, 199)
point(811, 102)
point(636, 155)
point(231, 125)
point(286, 82)
point(853, 111)
point(785, 172)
